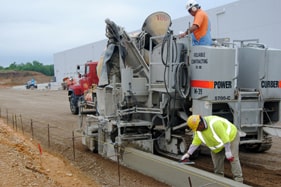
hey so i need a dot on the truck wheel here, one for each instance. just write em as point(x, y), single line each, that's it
point(73, 105)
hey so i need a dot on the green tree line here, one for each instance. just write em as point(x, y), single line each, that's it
point(31, 66)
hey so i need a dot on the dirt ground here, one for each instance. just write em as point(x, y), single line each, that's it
point(46, 107)
point(24, 163)
point(43, 108)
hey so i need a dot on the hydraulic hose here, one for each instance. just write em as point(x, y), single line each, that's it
point(173, 56)
point(182, 85)
point(181, 75)
point(167, 43)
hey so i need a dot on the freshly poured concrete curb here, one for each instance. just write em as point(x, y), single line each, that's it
point(173, 173)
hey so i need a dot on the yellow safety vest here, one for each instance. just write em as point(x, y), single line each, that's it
point(215, 140)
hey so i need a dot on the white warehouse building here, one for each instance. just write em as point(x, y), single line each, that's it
point(240, 20)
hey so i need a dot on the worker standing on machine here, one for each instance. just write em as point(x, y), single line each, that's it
point(201, 28)
point(221, 137)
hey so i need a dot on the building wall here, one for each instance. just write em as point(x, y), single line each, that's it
point(65, 62)
point(248, 19)
point(240, 20)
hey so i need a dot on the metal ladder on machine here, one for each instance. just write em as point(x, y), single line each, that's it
point(250, 95)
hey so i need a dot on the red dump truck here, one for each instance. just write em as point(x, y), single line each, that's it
point(81, 94)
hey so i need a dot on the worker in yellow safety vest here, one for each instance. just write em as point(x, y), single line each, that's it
point(221, 137)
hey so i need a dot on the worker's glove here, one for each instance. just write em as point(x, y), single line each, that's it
point(229, 156)
point(185, 156)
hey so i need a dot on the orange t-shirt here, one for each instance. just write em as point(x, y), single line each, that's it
point(202, 21)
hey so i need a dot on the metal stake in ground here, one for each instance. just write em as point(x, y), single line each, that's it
point(73, 142)
point(21, 124)
point(7, 116)
point(31, 127)
point(48, 135)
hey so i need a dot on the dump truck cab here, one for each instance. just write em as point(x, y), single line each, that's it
point(87, 75)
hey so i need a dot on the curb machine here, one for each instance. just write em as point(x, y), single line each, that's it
point(150, 83)
point(80, 94)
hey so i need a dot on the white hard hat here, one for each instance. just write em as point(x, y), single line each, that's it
point(190, 4)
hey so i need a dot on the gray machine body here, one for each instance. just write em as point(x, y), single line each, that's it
point(257, 69)
point(213, 74)
point(166, 81)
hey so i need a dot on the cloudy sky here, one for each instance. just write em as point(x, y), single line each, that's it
point(36, 29)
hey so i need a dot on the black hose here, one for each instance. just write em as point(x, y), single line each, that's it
point(182, 85)
point(181, 76)
point(167, 39)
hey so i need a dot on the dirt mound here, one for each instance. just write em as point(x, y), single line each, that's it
point(14, 78)
point(24, 163)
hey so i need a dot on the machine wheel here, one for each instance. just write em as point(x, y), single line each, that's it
point(73, 105)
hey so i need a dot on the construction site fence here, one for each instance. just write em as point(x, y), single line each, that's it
point(46, 134)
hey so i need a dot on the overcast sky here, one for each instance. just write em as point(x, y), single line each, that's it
point(36, 29)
